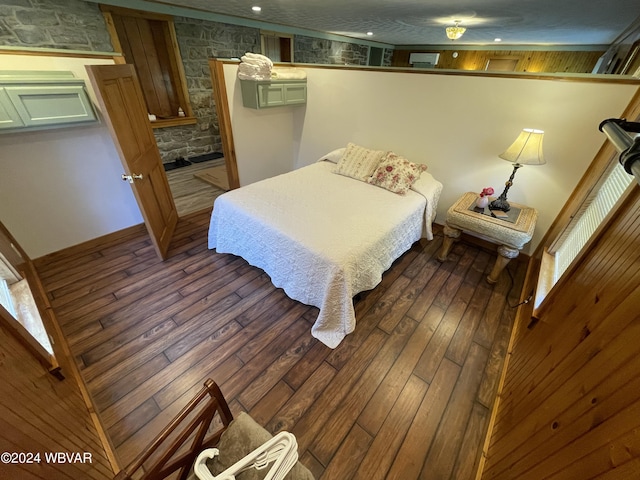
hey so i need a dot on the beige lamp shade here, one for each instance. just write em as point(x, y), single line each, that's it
point(527, 149)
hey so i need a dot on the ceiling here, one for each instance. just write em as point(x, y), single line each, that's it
point(422, 22)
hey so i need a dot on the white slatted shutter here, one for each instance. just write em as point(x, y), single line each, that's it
point(589, 218)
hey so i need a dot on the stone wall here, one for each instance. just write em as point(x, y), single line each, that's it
point(78, 25)
point(200, 40)
point(67, 24)
point(323, 51)
point(319, 50)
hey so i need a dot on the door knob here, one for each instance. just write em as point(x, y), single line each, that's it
point(132, 177)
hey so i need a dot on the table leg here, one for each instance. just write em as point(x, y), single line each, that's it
point(505, 254)
point(450, 236)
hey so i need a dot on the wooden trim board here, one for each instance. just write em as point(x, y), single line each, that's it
point(216, 176)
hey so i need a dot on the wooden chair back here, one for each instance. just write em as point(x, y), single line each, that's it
point(166, 454)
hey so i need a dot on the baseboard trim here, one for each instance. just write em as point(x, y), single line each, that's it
point(89, 245)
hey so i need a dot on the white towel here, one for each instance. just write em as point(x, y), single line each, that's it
point(247, 67)
point(257, 63)
point(257, 58)
point(255, 78)
point(252, 72)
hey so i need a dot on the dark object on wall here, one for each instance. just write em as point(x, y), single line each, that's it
point(617, 131)
point(376, 56)
point(177, 163)
point(205, 157)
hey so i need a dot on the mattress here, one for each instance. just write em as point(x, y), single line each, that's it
point(323, 237)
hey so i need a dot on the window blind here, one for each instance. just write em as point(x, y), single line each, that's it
point(591, 215)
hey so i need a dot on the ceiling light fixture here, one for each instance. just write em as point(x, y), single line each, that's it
point(370, 33)
point(256, 9)
point(456, 31)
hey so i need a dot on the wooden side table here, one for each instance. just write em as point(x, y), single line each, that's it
point(510, 234)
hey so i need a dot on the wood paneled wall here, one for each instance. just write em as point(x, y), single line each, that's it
point(47, 430)
point(528, 61)
point(42, 414)
point(570, 404)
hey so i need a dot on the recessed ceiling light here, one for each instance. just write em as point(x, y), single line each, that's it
point(370, 33)
point(256, 9)
point(497, 39)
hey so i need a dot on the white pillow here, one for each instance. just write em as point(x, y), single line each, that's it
point(358, 162)
point(333, 156)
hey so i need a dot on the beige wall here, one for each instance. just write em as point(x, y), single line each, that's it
point(456, 124)
point(61, 187)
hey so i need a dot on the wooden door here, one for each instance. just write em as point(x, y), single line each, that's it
point(122, 103)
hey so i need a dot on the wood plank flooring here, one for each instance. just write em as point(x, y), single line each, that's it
point(406, 396)
point(190, 193)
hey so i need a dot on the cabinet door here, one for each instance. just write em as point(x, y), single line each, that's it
point(9, 117)
point(51, 104)
point(295, 93)
point(270, 95)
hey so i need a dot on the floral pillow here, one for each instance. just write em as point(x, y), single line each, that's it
point(358, 162)
point(396, 173)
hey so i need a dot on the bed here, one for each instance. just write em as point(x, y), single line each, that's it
point(323, 237)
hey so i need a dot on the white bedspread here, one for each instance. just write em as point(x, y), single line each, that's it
point(322, 237)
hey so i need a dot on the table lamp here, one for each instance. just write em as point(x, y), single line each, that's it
point(526, 150)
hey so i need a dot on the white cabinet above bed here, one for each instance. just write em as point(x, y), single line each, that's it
point(273, 93)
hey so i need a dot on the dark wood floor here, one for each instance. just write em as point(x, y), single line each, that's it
point(407, 396)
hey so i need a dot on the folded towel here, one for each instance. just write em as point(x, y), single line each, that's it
point(253, 72)
point(254, 68)
point(246, 71)
point(258, 63)
point(258, 58)
point(254, 77)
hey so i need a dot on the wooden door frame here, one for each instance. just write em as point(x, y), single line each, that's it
point(224, 121)
point(27, 272)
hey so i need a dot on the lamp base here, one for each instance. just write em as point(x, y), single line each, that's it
point(500, 203)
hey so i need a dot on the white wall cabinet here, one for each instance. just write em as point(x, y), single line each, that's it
point(9, 117)
point(32, 100)
point(273, 93)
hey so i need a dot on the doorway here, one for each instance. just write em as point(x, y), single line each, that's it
point(198, 193)
point(22, 310)
point(196, 184)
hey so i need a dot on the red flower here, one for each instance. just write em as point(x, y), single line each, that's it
point(389, 168)
point(486, 191)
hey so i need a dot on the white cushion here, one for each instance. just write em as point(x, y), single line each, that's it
point(333, 156)
point(358, 162)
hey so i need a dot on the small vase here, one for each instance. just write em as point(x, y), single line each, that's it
point(482, 202)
